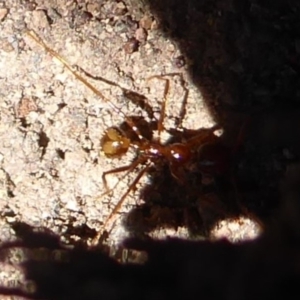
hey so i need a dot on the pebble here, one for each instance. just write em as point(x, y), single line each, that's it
point(3, 13)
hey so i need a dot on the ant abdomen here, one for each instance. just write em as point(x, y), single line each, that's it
point(114, 142)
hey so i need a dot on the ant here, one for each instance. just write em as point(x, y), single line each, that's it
point(202, 145)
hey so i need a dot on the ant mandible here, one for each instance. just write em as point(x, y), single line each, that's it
point(116, 143)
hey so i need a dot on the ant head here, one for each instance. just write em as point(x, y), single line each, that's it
point(114, 143)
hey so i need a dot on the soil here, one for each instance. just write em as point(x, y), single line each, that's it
point(240, 63)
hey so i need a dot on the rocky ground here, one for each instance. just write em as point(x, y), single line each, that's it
point(239, 63)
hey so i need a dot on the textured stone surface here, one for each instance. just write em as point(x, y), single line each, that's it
point(51, 124)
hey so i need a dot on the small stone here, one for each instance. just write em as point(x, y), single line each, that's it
point(40, 19)
point(94, 8)
point(6, 46)
point(3, 13)
point(11, 219)
point(141, 35)
point(81, 18)
point(179, 61)
point(154, 25)
point(29, 6)
point(25, 106)
point(120, 9)
point(146, 22)
point(132, 45)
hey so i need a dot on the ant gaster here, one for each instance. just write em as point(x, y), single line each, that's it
point(115, 143)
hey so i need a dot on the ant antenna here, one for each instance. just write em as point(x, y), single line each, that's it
point(128, 120)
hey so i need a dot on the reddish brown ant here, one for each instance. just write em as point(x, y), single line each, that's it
point(178, 156)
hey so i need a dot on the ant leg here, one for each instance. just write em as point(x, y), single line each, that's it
point(160, 125)
point(129, 168)
point(179, 119)
point(233, 179)
point(78, 76)
point(204, 135)
point(178, 173)
point(98, 78)
point(112, 216)
point(136, 98)
point(237, 145)
point(241, 136)
point(53, 53)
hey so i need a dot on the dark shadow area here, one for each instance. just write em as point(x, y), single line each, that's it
point(174, 269)
point(197, 196)
point(244, 57)
point(244, 54)
point(196, 200)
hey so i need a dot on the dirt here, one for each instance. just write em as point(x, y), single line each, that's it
point(240, 66)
